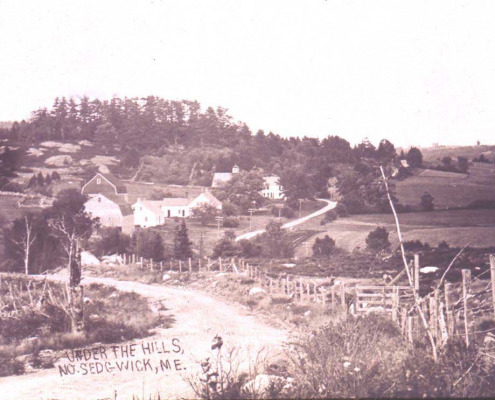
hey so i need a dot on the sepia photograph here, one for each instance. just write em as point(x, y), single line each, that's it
point(263, 199)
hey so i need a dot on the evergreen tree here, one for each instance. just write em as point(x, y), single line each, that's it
point(48, 180)
point(32, 182)
point(156, 247)
point(182, 244)
point(55, 176)
point(40, 179)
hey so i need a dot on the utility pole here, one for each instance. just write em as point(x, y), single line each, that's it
point(300, 206)
point(218, 219)
point(251, 210)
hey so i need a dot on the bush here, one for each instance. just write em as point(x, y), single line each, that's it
point(415, 245)
point(323, 247)
point(354, 358)
point(377, 240)
point(427, 202)
point(230, 222)
point(329, 217)
point(443, 245)
point(341, 210)
point(229, 209)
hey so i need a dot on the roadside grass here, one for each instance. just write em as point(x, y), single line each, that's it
point(110, 316)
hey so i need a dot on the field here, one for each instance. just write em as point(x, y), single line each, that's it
point(449, 189)
point(456, 227)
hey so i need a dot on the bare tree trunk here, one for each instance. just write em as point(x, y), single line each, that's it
point(76, 292)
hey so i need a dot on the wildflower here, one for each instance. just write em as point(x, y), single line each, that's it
point(356, 369)
point(347, 364)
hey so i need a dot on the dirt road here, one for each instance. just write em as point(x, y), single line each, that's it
point(198, 318)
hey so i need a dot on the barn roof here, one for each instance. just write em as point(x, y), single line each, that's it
point(114, 181)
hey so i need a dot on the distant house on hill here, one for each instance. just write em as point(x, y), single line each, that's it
point(104, 183)
point(110, 212)
point(152, 213)
point(271, 189)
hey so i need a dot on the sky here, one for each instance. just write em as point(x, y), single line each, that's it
point(414, 72)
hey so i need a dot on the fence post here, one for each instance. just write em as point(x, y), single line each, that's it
point(190, 265)
point(142, 264)
point(161, 265)
point(434, 314)
point(395, 304)
point(492, 278)
point(315, 294)
point(409, 329)
point(447, 287)
point(301, 291)
point(342, 295)
point(466, 280)
point(403, 319)
point(220, 263)
point(180, 266)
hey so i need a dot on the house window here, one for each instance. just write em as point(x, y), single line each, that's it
point(183, 213)
point(98, 181)
point(168, 213)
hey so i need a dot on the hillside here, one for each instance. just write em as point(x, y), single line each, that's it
point(437, 153)
point(449, 189)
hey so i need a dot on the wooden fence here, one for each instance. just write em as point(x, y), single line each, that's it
point(450, 311)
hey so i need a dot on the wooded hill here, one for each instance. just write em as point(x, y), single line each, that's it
point(177, 142)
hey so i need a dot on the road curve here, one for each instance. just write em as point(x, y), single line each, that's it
point(330, 206)
point(197, 319)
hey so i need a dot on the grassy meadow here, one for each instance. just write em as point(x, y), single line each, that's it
point(449, 189)
point(456, 227)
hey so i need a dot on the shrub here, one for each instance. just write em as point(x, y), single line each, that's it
point(229, 209)
point(329, 217)
point(230, 222)
point(415, 245)
point(443, 245)
point(354, 358)
point(377, 240)
point(250, 249)
point(427, 202)
point(341, 210)
point(323, 247)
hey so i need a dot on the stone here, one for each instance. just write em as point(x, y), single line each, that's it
point(256, 291)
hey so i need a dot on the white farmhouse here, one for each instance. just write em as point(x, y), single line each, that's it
point(152, 213)
point(176, 207)
point(272, 189)
point(148, 213)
